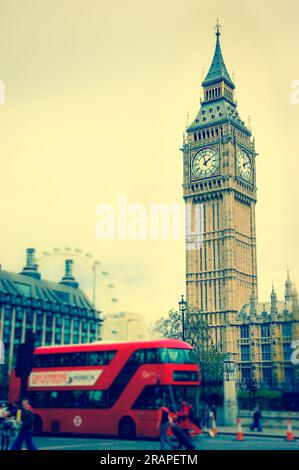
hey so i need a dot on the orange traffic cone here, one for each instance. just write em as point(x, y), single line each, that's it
point(240, 435)
point(214, 426)
point(290, 435)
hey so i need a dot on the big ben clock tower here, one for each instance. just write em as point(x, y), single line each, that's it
point(220, 196)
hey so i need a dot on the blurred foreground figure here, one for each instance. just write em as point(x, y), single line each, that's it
point(25, 432)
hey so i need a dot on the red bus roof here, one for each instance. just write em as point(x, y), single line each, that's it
point(109, 346)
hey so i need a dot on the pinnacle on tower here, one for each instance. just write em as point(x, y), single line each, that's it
point(273, 299)
point(288, 288)
point(218, 71)
point(295, 298)
point(218, 104)
point(252, 302)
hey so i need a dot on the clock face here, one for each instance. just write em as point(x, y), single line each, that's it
point(205, 162)
point(244, 165)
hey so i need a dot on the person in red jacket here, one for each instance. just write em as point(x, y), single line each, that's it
point(184, 426)
point(183, 416)
point(163, 423)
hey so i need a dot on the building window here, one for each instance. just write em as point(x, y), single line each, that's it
point(244, 332)
point(289, 375)
point(286, 330)
point(67, 330)
point(246, 374)
point(18, 325)
point(93, 329)
point(267, 375)
point(49, 326)
point(58, 329)
point(39, 323)
point(76, 330)
point(287, 351)
point(265, 331)
point(7, 325)
point(245, 353)
point(266, 352)
point(84, 337)
point(29, 320)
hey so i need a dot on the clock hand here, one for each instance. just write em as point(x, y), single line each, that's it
point(205, 163)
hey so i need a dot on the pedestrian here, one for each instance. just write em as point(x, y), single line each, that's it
point(214, 410)
point(257, 420)
point(192, 416)
point(212, 415)
point(181, 428)
point(183, 417)
point(204, 422)
point(6, 428)
point(163, 423)
point(25, 432)
point(13, 409)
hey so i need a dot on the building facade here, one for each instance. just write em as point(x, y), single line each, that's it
point(261, 339)
point(219, 189)
point(124, 326)
point(58, 313)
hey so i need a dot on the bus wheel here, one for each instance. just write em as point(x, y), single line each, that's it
point(127, 428)
point(37, 425)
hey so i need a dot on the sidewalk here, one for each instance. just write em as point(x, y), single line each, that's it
point(267, 432)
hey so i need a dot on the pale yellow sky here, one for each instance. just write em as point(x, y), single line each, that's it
point(96, 101)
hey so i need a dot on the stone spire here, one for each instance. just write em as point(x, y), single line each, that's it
point(252, 303)
point(288, 288)
point(295, 298)
point(273, 300)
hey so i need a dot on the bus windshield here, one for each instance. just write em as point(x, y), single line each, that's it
point(176, 356)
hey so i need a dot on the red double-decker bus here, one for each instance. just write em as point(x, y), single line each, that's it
point(108, 388)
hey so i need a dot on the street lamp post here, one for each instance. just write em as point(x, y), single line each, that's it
point(252, 386)
point(230, 407)
point(182, 309)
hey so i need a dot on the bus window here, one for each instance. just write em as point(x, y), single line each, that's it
point(151, 356)
point(78, 399)
point(171, 395)
point(96, 399)
point(43, 360)
point(137, 358)
point(190, 357)
point(148, 399)
point(58, 400)
point(96, 358)
point(180, 356)
point(176, 356)
point(39, 399)
point(77, 359)
point(162, 356)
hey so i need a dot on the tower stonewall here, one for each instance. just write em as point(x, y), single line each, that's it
point(219, 188)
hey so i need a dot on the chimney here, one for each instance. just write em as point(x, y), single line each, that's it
point(68, 279)
point(31, 268)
